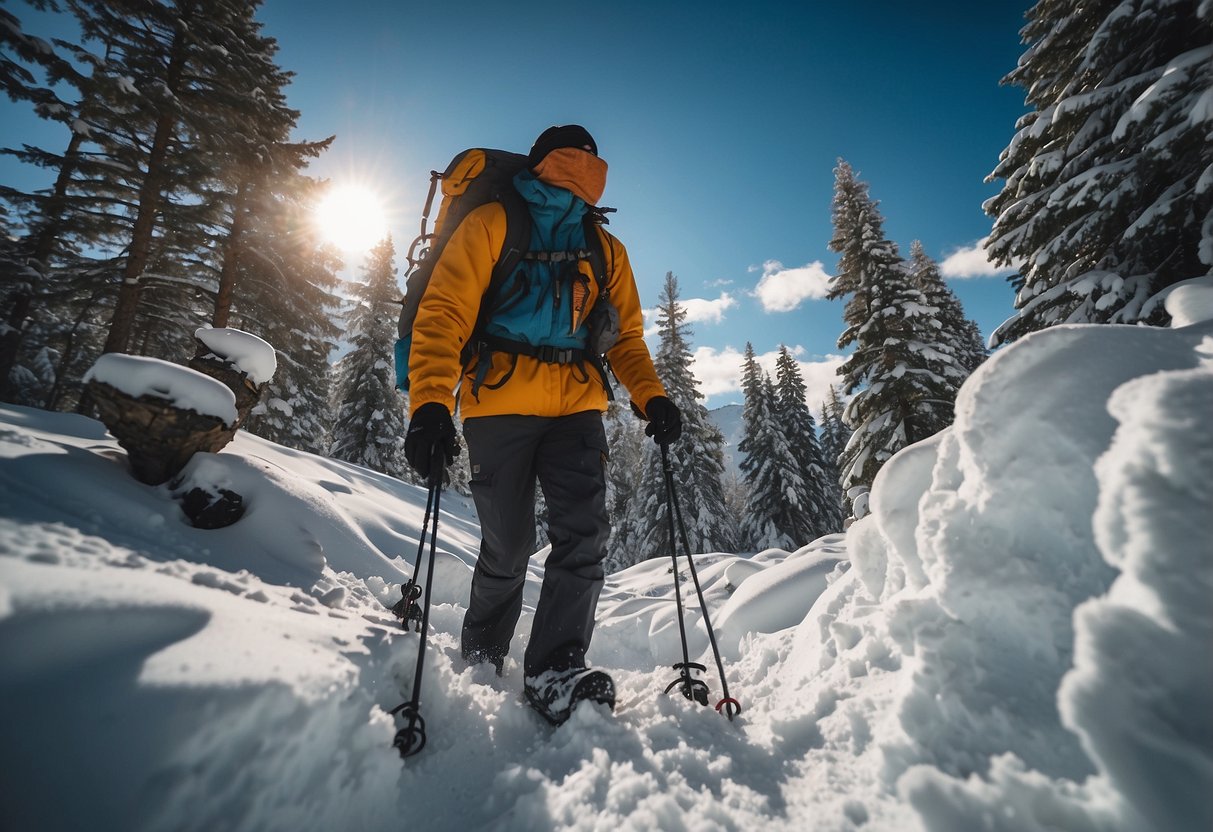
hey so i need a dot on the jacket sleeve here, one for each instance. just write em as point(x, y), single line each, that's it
point(630, 358)
point(448, 309)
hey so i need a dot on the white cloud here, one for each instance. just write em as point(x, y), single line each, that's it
point(782, 289)
point(699, 310)
point(711, 311)
point(719, 371)
point(972, 262)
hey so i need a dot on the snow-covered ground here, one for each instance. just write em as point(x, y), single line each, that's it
point(1019, 637)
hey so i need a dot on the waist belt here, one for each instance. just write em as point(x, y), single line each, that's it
point(543, 352)
point(484, 346)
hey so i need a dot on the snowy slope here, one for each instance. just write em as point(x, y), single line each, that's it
point(1017, 637)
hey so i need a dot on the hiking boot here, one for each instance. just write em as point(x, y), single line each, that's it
point(554, 693)
point(478, 655)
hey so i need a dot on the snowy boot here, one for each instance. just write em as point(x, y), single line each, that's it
point(554, 693)
point(477, 656)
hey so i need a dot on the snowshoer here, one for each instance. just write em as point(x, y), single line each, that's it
point(532, 405)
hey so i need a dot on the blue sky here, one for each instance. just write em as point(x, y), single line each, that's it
point(721, 125)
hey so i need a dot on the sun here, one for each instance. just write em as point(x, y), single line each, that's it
point(352, 217)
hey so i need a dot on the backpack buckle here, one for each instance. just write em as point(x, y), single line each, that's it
point(555, 355)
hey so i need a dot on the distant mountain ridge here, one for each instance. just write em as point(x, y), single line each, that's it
point(729, 420)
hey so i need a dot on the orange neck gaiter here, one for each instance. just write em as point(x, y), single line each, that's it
point(576, 170)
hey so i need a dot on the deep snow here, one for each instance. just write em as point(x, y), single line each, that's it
point(1018, 637)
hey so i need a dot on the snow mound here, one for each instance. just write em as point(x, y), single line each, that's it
point(1152, 740)
point(779, 596)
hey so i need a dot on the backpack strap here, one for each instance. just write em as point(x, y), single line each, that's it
point(515, 246)
point(513, 249)
point(598, 265)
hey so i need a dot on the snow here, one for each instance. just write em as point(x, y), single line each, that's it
point(251, 355)
point(1172, 83)
point(1015, 637)
point(137, 375)
point(1190, 301)
point(1152, 522)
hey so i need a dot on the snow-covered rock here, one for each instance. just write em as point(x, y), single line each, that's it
point(137, 375)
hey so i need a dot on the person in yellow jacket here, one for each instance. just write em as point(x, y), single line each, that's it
point(532, 412)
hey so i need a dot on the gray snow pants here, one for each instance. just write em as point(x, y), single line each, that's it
point(567, 456)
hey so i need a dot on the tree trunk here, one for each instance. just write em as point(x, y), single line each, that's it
point(150, 195)
point(231, 257)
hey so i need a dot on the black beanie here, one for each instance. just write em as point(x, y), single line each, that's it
point(568, 135)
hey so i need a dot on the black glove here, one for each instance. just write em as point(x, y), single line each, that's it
point(665, 420)
point(430, 431)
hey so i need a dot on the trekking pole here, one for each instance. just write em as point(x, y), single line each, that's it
point(691, 687)
point(410, 739)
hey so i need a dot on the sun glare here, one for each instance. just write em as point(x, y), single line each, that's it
point(352, 218)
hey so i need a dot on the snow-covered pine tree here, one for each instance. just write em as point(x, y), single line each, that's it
point(172, 101)
point(30, 70)
point(625, 441)
point(161, 87)
point(697, 459)
point(955, 330)
point(820, 511)
point(370, 424)
point(286, 293)
point(736, 495)
point(249, 164)
point(51, 289)
point(773, 485)
point(903, 379)
point(1108, 185)
point(834, 437)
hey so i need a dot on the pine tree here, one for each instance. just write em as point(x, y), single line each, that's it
point(179, 113)
point(31, 69)
point(625, 441)
point(697, 459)
point(768, 468)
point(834, 438)
point(821, 512)
point(164, 76)
point(1107, 197)
point(903, 378)
point(251, 167)
point(955, 330)
point(756, 528)
point(286, 293)
point(370, 424)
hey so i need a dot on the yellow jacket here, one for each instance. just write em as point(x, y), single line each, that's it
point(447, 315)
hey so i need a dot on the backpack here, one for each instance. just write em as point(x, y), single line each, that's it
point(475, 177)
